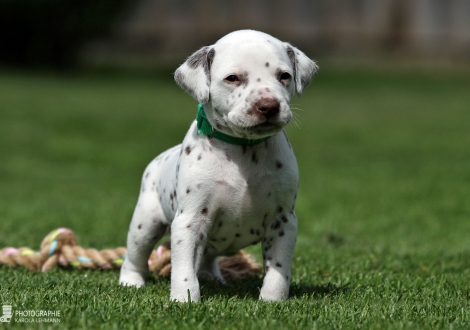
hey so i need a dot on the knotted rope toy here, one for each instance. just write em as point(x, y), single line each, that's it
point(60, 248)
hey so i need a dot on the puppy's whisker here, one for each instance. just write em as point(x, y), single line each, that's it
point(296, 118)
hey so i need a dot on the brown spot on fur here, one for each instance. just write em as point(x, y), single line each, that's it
point(204, 211)
point(187, 150)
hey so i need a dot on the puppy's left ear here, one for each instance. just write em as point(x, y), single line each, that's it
point(194, 74)
point(304, 68)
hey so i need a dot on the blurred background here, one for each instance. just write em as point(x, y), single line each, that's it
point(161, 33)
point(382, 139)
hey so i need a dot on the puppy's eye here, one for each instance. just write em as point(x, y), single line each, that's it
point(232, 78)
point(285, 76)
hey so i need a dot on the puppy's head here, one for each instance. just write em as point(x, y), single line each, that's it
point(246, 81)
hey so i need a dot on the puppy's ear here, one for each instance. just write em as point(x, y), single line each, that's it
point(194, 74)
point(304, 68)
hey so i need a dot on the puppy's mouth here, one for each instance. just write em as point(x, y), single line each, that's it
point(267, 126)
point(263, 129)
point(252, 129)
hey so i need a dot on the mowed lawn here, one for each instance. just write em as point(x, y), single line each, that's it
point(383, 207)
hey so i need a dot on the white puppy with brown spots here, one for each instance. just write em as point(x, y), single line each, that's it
point(233, 181)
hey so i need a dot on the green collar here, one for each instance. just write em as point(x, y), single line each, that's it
point(205, 128)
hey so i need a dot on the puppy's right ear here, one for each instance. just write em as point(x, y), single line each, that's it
point(194, 74)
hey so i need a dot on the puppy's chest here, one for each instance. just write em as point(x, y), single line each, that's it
point(253, 191)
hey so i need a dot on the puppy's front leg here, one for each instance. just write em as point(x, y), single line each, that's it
point(278, 250)
point(188, 239)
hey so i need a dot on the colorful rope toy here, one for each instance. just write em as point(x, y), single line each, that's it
point(60, 248)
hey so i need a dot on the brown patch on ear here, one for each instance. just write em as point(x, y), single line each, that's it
point(210, 59)
point(291, 54)
point(204, 57)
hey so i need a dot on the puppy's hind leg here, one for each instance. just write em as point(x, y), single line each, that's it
point(147, 227)
point(210, 265)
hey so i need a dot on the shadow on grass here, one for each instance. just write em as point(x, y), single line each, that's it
point(249, 288)
point(299, 290)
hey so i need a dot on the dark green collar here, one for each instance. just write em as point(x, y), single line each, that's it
point(205, 128)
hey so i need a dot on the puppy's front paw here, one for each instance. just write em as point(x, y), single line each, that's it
point(131, 277)
point(275, 287)
point(185, 292)
point(272, 295)
point(132, 280)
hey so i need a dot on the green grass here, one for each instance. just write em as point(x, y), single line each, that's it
point(384, 202)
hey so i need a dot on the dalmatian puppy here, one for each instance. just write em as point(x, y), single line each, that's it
point(233, 181)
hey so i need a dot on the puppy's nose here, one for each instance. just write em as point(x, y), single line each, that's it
point(268, 107)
